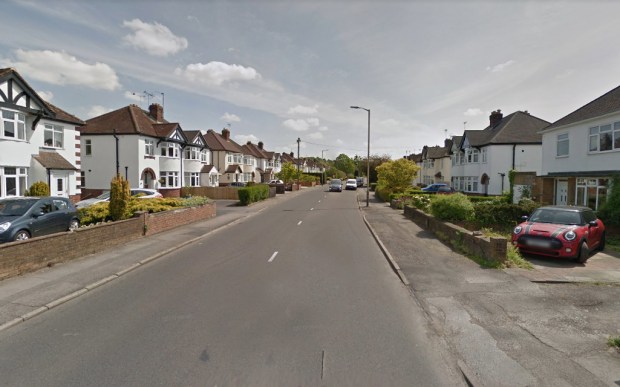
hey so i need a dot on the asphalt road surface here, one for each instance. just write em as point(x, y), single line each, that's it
point(299, 295)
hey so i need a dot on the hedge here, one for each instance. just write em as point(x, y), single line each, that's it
point(253, 194)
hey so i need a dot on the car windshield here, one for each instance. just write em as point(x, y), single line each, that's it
point(543, 215)
point(104, 196)
point(16, 207)
point(336, 181)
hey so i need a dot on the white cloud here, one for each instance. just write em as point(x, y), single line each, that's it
point(323, 129)
point(133, 96)
point(500, 67)
point(46, 95)
point(339, 142)
point(473, 112)
point(228, 117)
point(216, 73)
point(97, 110)
point(242, 138)
point(390, 123)
point(306, 110)
point(301, 124)
point(316, 136)
point(60, 68)
point(156, 39)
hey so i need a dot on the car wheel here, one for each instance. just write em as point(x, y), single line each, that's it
point(584, 252)
point(74, 224)
point(22, 235)
point(601, 244)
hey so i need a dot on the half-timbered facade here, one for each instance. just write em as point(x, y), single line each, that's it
point(38, 141)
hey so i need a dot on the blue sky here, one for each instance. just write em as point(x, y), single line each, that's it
point(276, 71)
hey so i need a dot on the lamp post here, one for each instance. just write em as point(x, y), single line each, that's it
point(367, 157)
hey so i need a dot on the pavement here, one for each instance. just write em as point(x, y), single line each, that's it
point(546, 326)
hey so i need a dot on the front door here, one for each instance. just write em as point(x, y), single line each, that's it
point(561, 194)
point(60, 184)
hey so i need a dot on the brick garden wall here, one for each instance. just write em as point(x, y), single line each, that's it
point(22, 257)
point(490, 248)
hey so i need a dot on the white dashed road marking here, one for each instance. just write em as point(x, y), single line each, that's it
point(272, 257)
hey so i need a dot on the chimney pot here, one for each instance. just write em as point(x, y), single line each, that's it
point(495, 118)
point(226, 134)
point(260, 145)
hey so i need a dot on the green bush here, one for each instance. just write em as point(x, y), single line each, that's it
point(38, 188)
point(609, 212)
point(252, 194)
point(383, 193)
point(421, 202)
point(119, 198)
point(476, 199)
point(452, 207)
point(500, 215)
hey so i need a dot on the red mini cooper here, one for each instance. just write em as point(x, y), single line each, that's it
point(560, 231)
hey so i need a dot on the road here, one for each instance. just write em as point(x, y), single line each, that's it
point(298, 295)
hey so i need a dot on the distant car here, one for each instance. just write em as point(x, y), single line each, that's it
point(276, 182)
point(23, 218)
point(360, 181)
point(351, 184)
point(237, 184)
point(140, 193)
point(560, 231)
point(335, 185)
point(434, 187)
point(445, 190)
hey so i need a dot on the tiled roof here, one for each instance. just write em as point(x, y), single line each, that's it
point(192, 135)
point(516, 128)
point(217, 142)
point(62, 115)
point(605, 104)
point(126, 120)
point(53, 160)
point(233, 168)
point(207, 168)
point(254, 150)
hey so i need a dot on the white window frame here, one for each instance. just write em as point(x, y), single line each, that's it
point(149, 147)
point(18, 121)
point(611, 131)
point(18, 175)
point(55, 133)
point(483, 155)
point(169, 149)
point(560, 140)
point(88, 147)
point(169, 179)
point(191, 179)
point(204, 156)
point(192, 153)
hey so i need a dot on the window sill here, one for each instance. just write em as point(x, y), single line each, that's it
point(149, 157)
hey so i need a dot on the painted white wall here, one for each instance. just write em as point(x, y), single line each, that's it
point(100, 167)
point(579, 158)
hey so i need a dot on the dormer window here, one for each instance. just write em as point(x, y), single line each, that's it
point(13, 125)
point(53, 136)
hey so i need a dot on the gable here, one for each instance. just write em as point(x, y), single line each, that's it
point(177, 136)
point(17, 94)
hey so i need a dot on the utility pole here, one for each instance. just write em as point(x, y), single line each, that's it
point(298, 159)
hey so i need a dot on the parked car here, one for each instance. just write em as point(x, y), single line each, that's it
point(23, 218)
point(434, 187)
point(360, 181)
point(335, 185)
point(445, 190)
point(140, 193)
point(560, 231)
point(351, 184)
point(276, 182)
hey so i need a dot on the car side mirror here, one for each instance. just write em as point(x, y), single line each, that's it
point(37, 214)
point(525, 217)
point(593, 223)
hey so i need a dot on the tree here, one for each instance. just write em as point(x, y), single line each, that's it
point(345, 164)
point(396, 175)
point(288, 172)
point(119, 198)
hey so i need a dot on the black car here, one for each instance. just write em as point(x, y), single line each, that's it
point(23, 218)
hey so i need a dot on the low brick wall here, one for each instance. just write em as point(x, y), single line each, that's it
point(490, 248)
point(22, 257)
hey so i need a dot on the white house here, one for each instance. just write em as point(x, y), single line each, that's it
point(483, 158)
point(436, 164)
point(147, 150)
point(228, 157)
point(581, 152)
point(38, 141)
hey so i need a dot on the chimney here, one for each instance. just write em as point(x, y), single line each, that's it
point(226, 134)
point(447, 143)
point(495, 118)
point(156, 111)
point(292, 155)
point(260, 145)
point(249, 143)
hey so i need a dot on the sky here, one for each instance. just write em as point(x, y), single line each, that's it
point(276, 71)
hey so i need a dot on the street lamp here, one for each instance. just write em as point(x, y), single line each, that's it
point(367, 157)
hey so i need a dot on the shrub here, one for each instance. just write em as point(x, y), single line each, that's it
point(500, 215)
point(421, 202)
point(253, 194)
point(383, 193)
point(610, 211)
point(38, 188)
point(119, 198)
point(452, 207)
